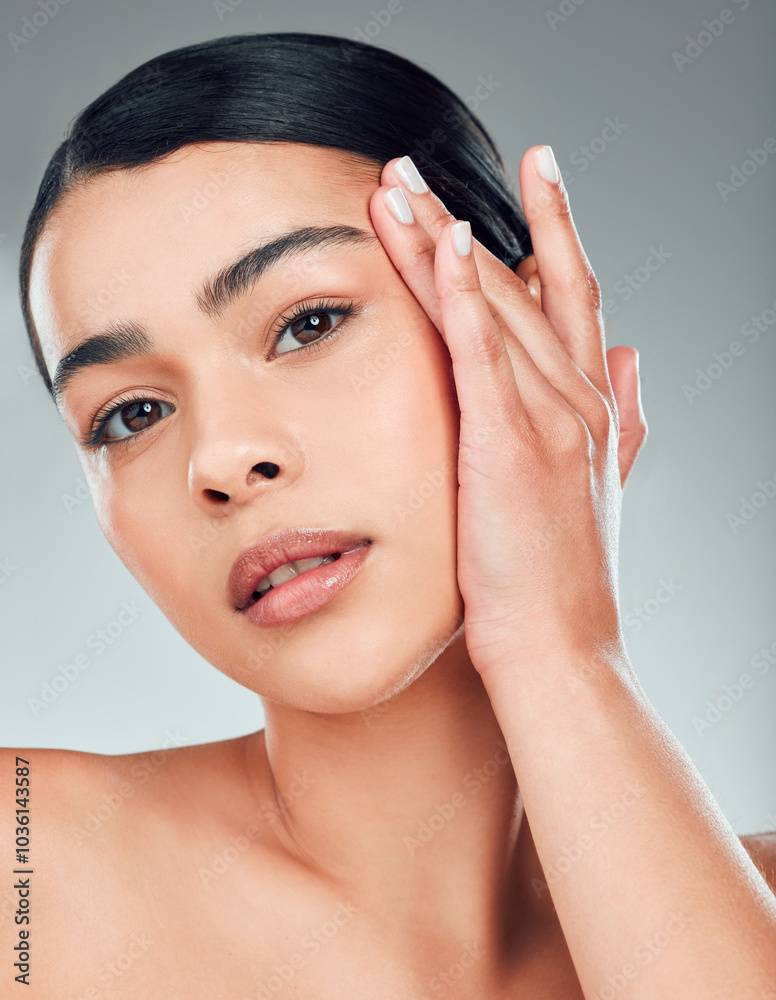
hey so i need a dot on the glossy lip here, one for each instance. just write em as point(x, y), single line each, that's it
point(307, 593)
point(265, 555)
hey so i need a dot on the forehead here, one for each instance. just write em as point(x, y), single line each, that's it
point(157, 230)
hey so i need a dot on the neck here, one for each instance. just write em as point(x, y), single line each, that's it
point(411, 809)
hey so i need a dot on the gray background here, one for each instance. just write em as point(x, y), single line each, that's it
point(558, 79)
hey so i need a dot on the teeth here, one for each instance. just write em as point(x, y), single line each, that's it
point(288, 571)
point(282, 574)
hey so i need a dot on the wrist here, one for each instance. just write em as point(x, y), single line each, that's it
point(565, 668)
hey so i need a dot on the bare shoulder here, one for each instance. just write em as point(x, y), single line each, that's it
point(59, 781)
point(69, 798)
point(46, 780)
point(761, 848)
point(115, 845)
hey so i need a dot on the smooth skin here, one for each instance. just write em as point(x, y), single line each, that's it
point(545, 630)
point(374, 839)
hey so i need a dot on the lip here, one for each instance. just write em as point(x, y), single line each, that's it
point(265, 555)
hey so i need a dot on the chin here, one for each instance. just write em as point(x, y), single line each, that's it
point(343, 663)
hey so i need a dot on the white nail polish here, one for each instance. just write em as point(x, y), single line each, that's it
point(410, 174)
point(462, 238)
point(398, 205)
point(546, 165)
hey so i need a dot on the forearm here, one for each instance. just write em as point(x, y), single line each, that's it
point(651, 885)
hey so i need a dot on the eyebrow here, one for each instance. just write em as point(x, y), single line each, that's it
point(123, 340)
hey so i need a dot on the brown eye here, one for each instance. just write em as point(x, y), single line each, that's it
point(316, 325)
point(135, 416)
point(310, 327)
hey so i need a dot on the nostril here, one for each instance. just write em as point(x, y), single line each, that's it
point(216, 494)
point(268, 469)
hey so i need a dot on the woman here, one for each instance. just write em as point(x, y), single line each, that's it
point(440, 462)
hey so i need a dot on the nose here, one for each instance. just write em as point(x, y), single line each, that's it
point(241, 450)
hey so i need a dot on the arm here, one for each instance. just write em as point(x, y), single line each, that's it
point(639, 858)
point(652, 887)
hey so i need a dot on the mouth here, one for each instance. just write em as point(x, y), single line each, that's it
point(286, 572)
point(274, 562)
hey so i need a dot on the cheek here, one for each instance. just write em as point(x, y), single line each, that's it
point(140, 514)
point(402, 465)
point(396, 423)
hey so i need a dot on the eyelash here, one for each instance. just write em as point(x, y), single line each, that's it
point(104, 415)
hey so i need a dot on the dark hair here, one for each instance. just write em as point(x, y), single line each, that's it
point(292, 87)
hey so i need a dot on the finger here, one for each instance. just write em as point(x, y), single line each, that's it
point(413, 253)
point(432, 214)
point(623, 364)
point(488, 379)
point(505, 290)
point(411, 245)
point(528, 271)
point(499, 283)
point(571, 297)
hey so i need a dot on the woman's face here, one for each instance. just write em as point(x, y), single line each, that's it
point(363, 425)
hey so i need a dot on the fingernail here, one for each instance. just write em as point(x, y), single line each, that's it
point(411, 176)
point(462, 238)
point(546, 165)
point(398, 205)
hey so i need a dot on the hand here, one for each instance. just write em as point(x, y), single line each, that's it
point(540, 493)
